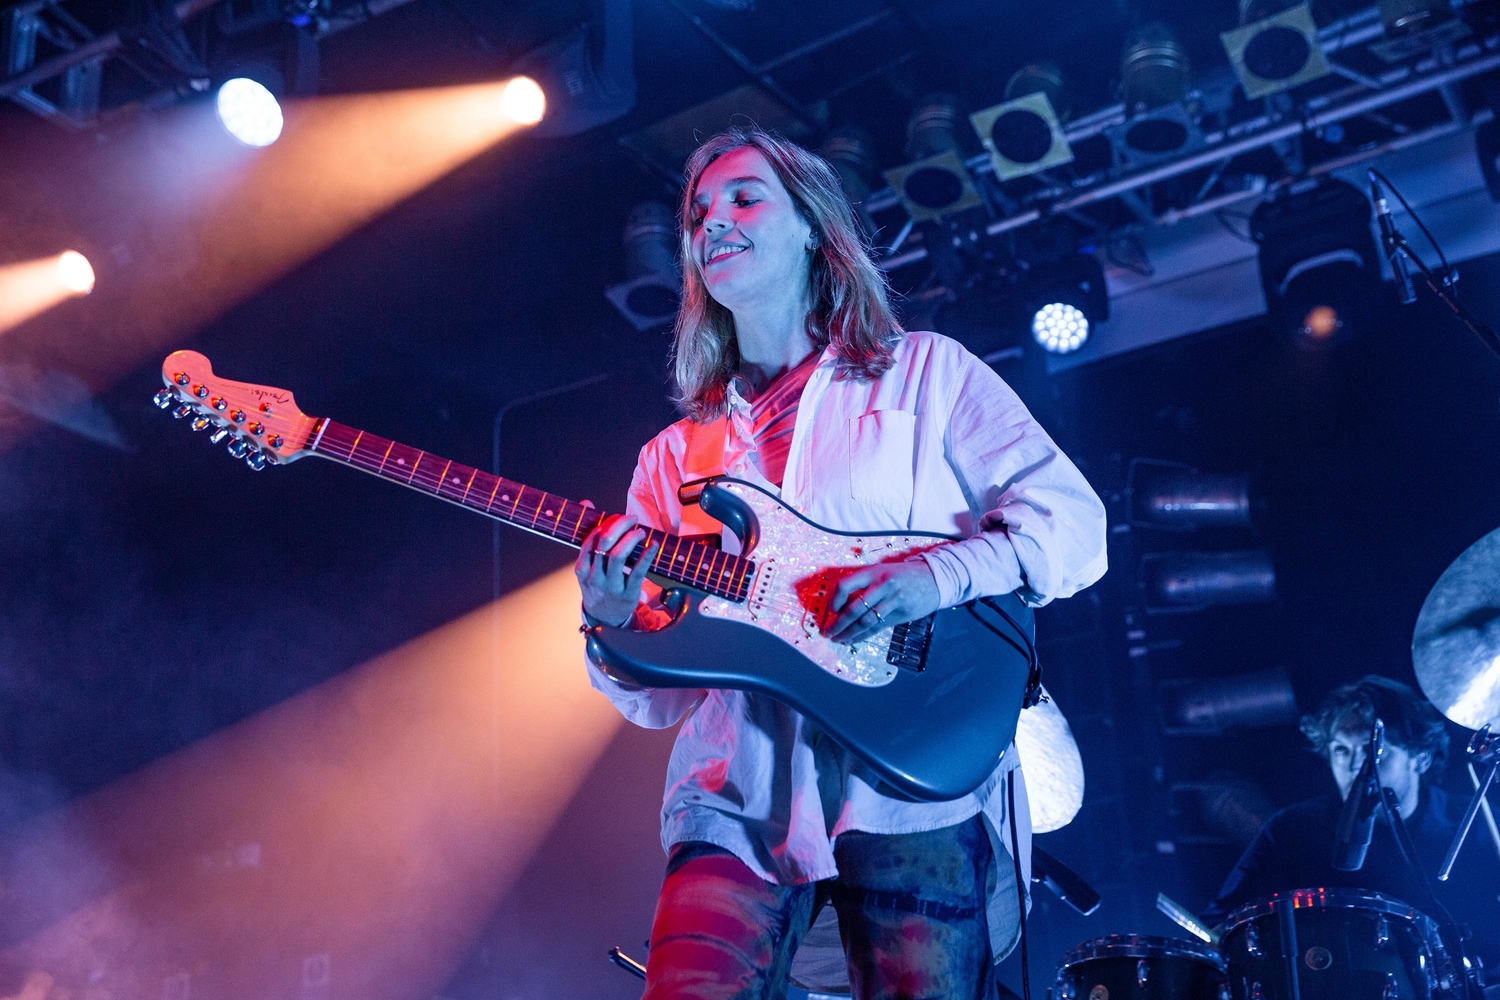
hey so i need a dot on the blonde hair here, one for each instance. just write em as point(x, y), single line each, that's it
point(850, 303)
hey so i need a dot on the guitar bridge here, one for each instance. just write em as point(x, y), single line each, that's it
point(909, 644)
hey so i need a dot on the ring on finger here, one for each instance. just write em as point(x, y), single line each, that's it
point(870, 609)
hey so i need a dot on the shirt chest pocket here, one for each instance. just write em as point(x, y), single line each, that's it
point(881, 457)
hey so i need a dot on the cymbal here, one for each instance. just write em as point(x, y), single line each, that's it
point(1455, 648)
point(1053, 767)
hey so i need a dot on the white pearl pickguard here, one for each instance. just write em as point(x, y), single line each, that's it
point(798, 565)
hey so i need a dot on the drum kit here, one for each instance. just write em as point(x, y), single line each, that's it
point(1302, 944)
point(1338, 944)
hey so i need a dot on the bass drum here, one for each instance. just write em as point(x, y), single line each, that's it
point(1335, 944)
point(1140, 967)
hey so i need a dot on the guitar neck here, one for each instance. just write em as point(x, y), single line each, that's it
point(691, 562)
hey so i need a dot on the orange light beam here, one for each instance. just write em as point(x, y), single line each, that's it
point(206, 222)
point(32, 287)
point(360, 833)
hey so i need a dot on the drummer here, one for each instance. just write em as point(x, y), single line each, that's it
point(1294, 850)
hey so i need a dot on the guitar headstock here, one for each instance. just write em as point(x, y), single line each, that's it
point(261, 422)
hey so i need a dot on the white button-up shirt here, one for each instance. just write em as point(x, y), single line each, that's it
point(938, 443)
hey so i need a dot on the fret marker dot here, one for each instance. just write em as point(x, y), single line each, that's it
point(547, 512)
point(456, 479)
point(505, 496)
point(400, 461)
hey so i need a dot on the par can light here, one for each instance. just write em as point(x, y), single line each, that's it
point(249, 111)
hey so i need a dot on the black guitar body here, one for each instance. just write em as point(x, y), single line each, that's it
point(935, 731)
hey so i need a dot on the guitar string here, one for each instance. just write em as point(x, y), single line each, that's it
point(735, 566)
point(733, 577)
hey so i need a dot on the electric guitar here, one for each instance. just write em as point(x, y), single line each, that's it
point(930, 706)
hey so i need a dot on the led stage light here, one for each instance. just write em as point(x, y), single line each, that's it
point(249, 111)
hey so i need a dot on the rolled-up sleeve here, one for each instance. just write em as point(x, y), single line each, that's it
point(1042, 525)
point(650, 708)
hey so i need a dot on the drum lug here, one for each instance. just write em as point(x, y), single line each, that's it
point(1391, 990)
point(1142, 972)
point(1382, 931)
point(1252, 943)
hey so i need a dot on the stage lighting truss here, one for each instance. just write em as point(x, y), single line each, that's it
point(934, 187)
point(1276, 53)
point(1022, 136)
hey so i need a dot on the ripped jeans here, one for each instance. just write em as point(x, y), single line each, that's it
point(911, 911)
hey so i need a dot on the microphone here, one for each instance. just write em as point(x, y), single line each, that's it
point(1357, 821)
point(1389, 242)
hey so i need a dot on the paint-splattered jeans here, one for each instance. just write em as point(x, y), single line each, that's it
point(911, 911)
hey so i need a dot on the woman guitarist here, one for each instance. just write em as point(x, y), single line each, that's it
point(796, 376)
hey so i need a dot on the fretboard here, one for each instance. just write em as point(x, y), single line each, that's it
point(694, 563)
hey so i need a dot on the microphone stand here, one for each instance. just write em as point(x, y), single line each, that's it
point(1400, 254)
point(1483, 749)
point(1357, 821)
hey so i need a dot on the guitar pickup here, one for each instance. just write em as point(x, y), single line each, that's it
point(909, 643)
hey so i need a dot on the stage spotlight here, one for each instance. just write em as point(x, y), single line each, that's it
point(249, 111)
point(936, 183)
point(1245, 701)
point(1275, 53)
point(523, 101)
point(1065, 298)
point(1190, 581)
point(1174, 497)
point(650, 296)
point(31, 287)
point(75, 272)
point(1317, 262)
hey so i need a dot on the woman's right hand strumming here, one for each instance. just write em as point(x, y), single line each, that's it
point(611, 591)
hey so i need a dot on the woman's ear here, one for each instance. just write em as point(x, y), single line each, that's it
point(1422, 762)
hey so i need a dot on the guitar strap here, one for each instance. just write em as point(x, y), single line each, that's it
point(703, 459)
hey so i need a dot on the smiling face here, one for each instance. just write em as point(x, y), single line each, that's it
point(750, 243)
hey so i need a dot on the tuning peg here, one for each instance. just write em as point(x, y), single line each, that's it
point(201, 423)
point(182, 411)
point(219, 435)
point(238, 448)
point(256, 460)
point(164, 398)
